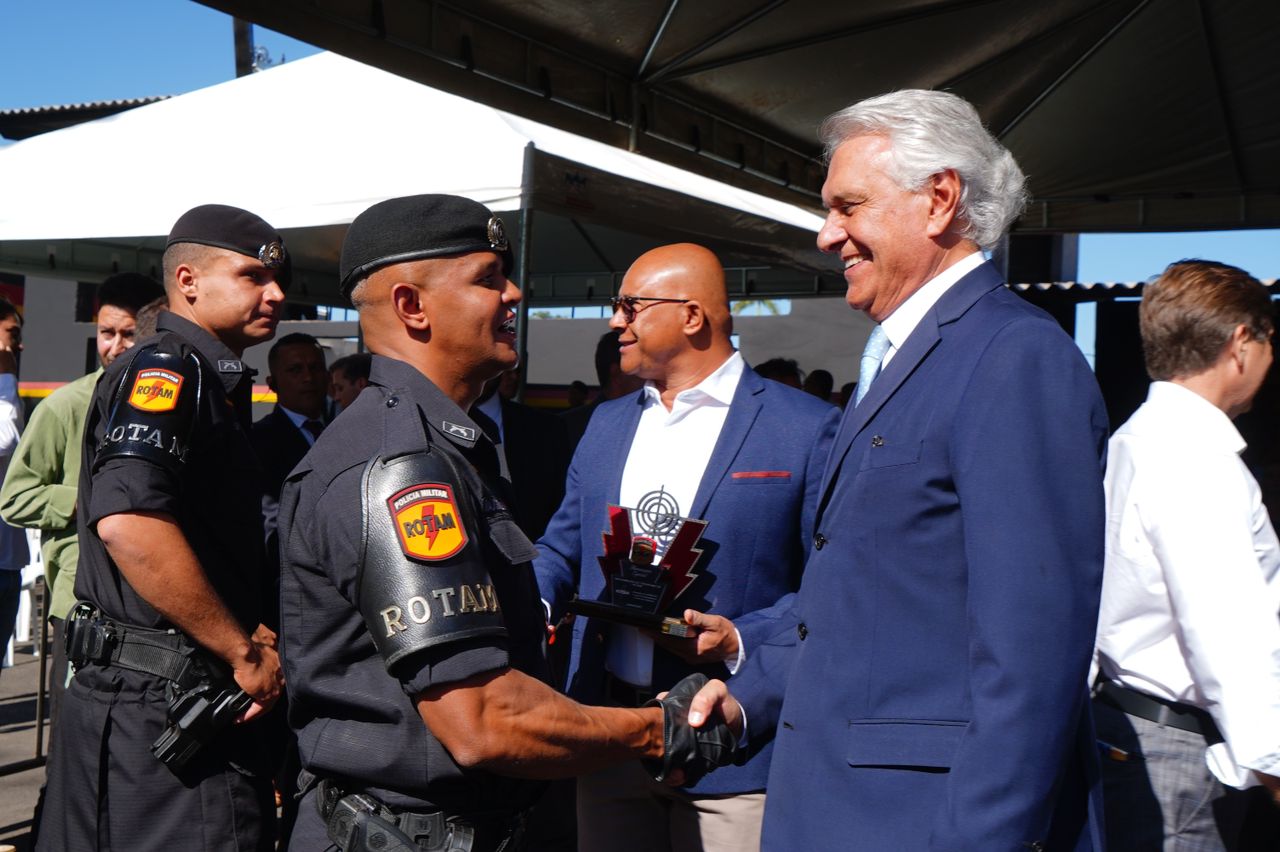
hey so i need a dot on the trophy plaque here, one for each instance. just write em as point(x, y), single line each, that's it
point(638, 591)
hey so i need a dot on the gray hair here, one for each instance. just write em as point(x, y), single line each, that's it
point(358, 293)
point(930, 132)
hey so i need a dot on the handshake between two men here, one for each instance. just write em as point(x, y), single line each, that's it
point(702, 722)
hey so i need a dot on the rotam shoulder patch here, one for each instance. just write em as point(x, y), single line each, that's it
point(427, 521)
point(155, 390)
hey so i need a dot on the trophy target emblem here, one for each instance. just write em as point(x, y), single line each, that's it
point(658, 514)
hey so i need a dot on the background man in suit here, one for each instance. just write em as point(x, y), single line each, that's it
point(347, 377)
point(932, 694)
point(613, 384)
point(298, 376)
point(534, 449)
point(301, 382)
point(711, 440)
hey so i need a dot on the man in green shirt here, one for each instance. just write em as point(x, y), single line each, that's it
point(39, 489)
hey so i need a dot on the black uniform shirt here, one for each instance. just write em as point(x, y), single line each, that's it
point(357, 722)
point(213, 494)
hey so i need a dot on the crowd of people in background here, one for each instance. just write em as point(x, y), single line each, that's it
point(941, 608)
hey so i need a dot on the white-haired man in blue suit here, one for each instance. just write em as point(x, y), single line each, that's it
point(933, 695)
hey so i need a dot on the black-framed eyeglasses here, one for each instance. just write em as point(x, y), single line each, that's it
point(627, 304)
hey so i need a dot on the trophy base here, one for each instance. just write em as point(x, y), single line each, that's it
point(632, 617)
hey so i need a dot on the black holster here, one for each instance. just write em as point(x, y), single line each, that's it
point(88, 640)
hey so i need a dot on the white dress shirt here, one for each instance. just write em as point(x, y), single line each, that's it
point(492, 408)
point(669, 453)
point(1191, 587)
point(899, 324)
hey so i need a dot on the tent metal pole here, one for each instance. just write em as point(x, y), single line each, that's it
point(657, 37)
point(524, 274)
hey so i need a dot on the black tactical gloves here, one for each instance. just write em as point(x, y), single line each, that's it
point(697, 751)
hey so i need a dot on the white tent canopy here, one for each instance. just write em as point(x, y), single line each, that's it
point(312, 143)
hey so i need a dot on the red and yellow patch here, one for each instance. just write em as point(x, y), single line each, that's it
point(155, 390)
point(428, 521)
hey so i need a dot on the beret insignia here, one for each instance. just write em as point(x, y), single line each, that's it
point(497, 235)
point(271, 254)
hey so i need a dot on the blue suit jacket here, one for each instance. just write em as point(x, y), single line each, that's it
point(933, 692)
point(758, 531)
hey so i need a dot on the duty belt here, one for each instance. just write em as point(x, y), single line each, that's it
point(92, 638)
point(359, 822)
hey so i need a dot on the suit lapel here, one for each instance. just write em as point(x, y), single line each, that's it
point(291, 434)
point(921, 342)
point(629, 421)
point(742, 414)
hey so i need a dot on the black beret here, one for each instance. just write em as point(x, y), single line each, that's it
point(416, 227)
point(237, 230)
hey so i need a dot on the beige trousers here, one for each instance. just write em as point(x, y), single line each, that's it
point(622, 809)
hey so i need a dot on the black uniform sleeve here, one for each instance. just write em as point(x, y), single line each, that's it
point(150, 417)
point(424, 589)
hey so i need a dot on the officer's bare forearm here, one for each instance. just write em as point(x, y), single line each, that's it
point(158, 563)
point(511, 724)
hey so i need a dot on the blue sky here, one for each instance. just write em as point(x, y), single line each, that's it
point(73, 51)
point(1126, 257)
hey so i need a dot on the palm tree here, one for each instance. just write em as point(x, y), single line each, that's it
point(764, 306)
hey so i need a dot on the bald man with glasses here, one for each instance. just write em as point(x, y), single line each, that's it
point(705, 438)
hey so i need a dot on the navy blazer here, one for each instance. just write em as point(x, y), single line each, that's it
point(279, 445)
point(933, 693)
point(754, 547)
point(536, 446)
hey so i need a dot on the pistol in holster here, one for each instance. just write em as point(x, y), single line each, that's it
point(195, 716)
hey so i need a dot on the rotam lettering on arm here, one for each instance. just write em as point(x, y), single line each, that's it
point(417, 609)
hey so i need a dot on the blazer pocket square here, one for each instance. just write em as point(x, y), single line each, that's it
point(762, 475)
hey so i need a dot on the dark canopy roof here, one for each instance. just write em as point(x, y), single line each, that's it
point(1126, 114)
point(25, 123)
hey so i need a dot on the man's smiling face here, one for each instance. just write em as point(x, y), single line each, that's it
point(879, 230)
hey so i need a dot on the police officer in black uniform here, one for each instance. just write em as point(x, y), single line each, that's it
point(171, 570)
point(411, 627)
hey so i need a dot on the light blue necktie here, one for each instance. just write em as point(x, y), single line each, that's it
point(874, 352)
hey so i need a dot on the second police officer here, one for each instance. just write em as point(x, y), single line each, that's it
point(171, 568)
point(412, 631)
